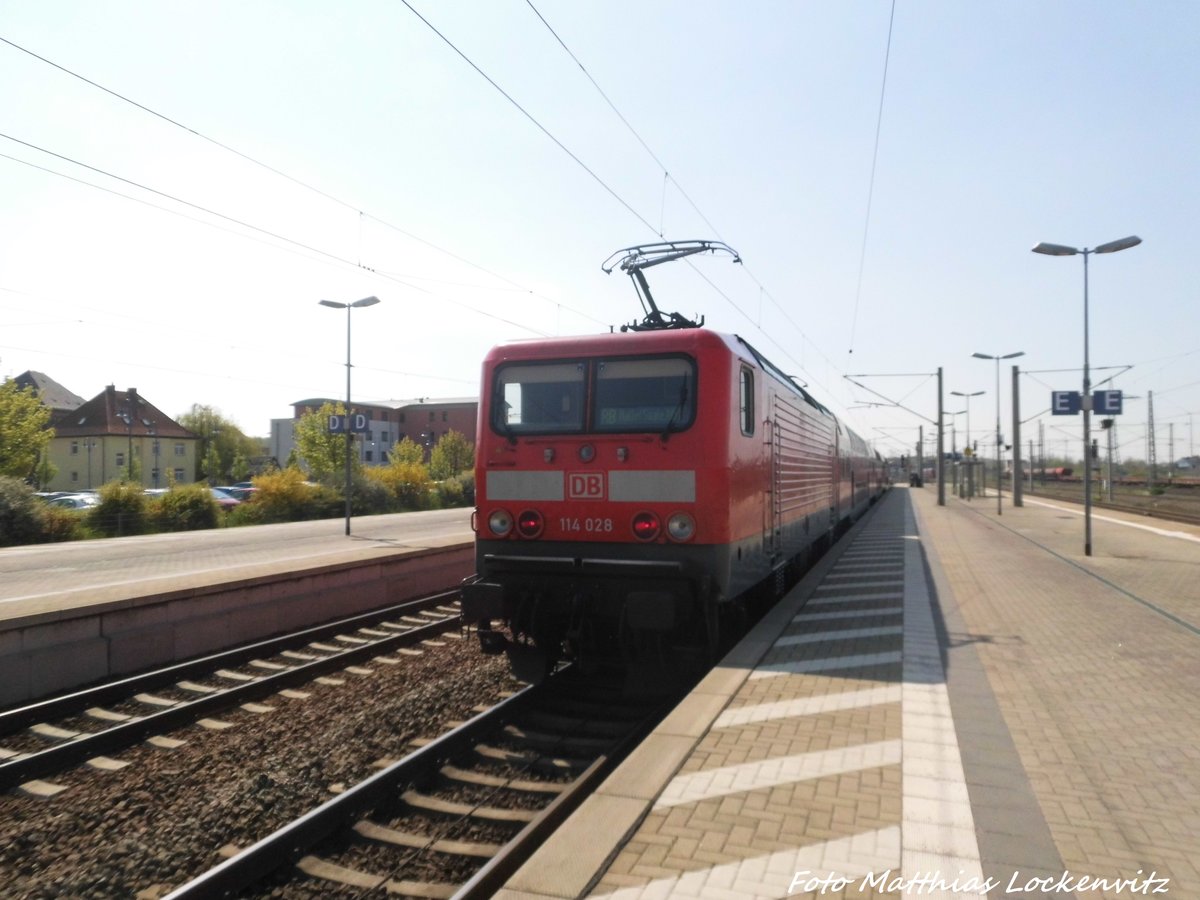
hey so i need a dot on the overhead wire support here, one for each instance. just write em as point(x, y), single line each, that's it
point(890, 402)
point(939, 423)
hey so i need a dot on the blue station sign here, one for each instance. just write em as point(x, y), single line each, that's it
point(1068, 403)
point(358, 424)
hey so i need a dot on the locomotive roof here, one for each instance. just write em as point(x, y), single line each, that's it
point(670, 340)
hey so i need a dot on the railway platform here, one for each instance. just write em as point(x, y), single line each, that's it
point(952, 704)
point(72, 614)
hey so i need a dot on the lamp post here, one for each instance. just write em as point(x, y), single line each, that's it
point(999, 508)
point(1086, 398)
point(971, 457)
point(954, 444)
point(357, 304)
point(128, 420)
point(154, 434)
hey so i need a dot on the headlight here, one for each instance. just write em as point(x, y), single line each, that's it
point(681, 527)
point(500, 522)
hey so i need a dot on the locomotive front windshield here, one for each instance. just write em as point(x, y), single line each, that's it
point(626, 394)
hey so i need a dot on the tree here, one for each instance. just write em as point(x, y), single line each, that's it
point(239, 469)
point(324, 454)
point(221, 443)
point(452, 455)
point(211, 463)
point(44, 472)
point(21, 513)
point(24, 435)
point(407, 451)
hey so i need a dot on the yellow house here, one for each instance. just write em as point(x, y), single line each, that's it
point(119, 434)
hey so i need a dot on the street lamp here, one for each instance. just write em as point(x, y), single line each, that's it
point(152, 431)
point(999, 509)
point(954, 445)
point(970, 487)
point(953, 432)
point(357, 304)
point(1086, 399)
point(128, 420)
point(967, 399)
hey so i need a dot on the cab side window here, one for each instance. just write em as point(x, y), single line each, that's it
point(746, 400)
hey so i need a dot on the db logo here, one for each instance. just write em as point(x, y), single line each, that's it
point(585, 485)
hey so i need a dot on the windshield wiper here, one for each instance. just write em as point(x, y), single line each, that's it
point(670, 426)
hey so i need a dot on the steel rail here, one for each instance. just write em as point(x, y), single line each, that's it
point(74, 751)
point(496, 871)
point(1150, 512)
point(290, 842)
point(13, 720)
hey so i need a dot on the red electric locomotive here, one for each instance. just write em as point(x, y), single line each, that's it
point(632, 487)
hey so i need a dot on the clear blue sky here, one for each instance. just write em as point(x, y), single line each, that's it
point(412, 178)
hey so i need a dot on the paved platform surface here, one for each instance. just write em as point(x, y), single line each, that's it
point(953, 704)
point(53, 581)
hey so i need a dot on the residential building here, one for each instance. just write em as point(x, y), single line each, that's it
point(104, 438)
point(52, 394)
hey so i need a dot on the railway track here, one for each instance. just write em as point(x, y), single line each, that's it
point(49, 737)
point(1158, 507)
point(456, 817)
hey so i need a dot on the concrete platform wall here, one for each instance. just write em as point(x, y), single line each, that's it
point(42, 656)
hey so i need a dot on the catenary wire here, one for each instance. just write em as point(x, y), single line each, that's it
point(226, 147)
point(763, 292)
point(263, 231)
point(862, 259)
point(528, 115)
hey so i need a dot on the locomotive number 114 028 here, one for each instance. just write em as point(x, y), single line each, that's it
point(588, 525)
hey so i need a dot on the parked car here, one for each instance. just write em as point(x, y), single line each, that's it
point(239, 492)
point(224, 500)
point(75, 501)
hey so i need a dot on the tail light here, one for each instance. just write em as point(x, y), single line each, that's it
point(530, 523)
point(500, 523)
point(646, 526)
point(681, 527)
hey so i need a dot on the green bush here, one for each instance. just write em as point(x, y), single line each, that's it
point(123, 510)
point(370, 498)
point(61, 525)
point(457, 491)
point(286, 497)
point(186, 507)
point(21, 513)
point(408, 483)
